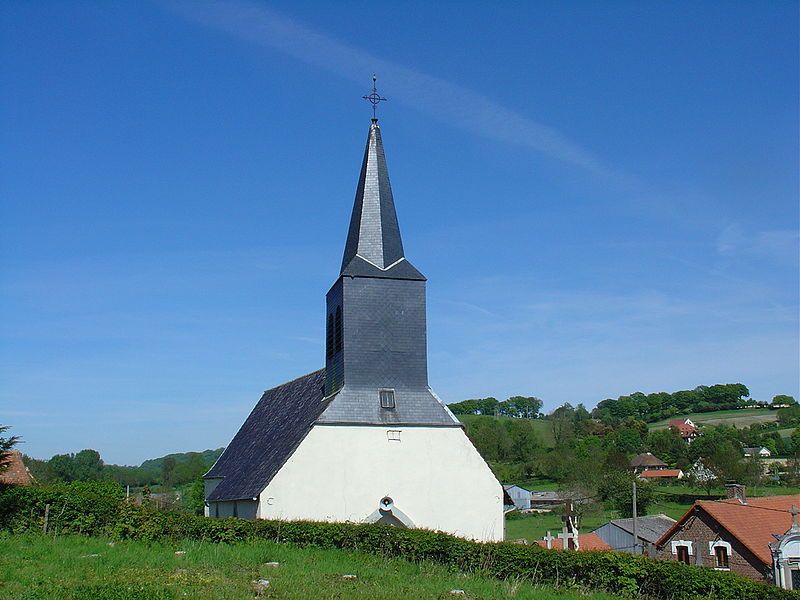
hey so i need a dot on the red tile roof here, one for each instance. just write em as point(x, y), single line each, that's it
point(587, 541)
point(15, 473)
point(652, 473)
point(683, 428)
point(754, 524)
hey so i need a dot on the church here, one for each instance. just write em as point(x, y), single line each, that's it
point(365, 439)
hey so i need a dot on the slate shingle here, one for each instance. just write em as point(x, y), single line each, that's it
point(269, 436)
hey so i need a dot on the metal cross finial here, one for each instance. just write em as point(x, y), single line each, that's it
point(374, 98)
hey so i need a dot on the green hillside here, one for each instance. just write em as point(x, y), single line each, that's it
point(542, 427)
point(154, 465)
point(735, 418)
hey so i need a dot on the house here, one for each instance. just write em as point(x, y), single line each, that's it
point(757, 537)
point(685, 428)
point(757, 452)
point(661, 474)
point(519, 496)
point(15, 472)
point(647, 462)
point(618, 534)
point(367, 428)
point(587, 542)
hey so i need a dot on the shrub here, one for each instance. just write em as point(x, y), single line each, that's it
point(99, 508)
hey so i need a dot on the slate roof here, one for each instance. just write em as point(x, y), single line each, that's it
point(754, 524)
point(374, 247)
point(269, 436)
point(15, 472)
point(649, 529)
point(413, 407)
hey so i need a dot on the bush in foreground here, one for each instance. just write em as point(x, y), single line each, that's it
point(105, 511)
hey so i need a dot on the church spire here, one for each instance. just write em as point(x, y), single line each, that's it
point(374, 247)
point(374, 233)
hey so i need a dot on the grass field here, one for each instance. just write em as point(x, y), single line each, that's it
point(738, 418)
point(79, 568)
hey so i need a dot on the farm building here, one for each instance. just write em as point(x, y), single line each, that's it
point(367, 428)
point(661, 474)
point(519, 496)
point(647, 462)
point(618, 534)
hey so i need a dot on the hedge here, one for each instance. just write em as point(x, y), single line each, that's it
point(102, 510)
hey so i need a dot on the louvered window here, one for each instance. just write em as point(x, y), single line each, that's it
point(387, 398)
point(338, 329)
point(329, 338)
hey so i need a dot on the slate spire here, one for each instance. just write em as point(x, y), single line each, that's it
point(374, 235)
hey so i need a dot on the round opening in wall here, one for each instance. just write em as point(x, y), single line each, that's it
point(386, 503)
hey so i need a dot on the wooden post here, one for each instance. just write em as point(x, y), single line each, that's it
point(635, 528)
point(46, 517)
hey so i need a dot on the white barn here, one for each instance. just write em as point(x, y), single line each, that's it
point(365, 439)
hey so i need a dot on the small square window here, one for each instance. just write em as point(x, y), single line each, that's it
point(393, 435)
point(683, 554)
point(387, 398)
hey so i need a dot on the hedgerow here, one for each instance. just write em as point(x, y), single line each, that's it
point(97, 509)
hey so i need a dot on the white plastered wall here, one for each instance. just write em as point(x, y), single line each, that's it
point(434, 475)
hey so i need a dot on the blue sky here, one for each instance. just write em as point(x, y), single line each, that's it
point(603, 196)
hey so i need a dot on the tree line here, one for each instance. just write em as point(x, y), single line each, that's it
point(518, 407)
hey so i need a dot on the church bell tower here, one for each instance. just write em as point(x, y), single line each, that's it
point(376, 346)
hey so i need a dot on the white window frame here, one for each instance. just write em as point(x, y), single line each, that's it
point(688, 544)
point(711, 551)
point(393, 435)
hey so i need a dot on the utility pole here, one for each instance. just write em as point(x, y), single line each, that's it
point(635, 528)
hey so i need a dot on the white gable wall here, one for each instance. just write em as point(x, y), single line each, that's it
point(434, 475)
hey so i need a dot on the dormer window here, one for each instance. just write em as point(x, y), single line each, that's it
point(387, 398)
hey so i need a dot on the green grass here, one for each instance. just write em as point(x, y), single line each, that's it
point(534, 526)
point(739, 418)
point(79, 568)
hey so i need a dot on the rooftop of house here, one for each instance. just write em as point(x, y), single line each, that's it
point(754, 524)
point(647, 460)
point(665, 473)
point(15, 473)
point(588, 542)
point(649, 529)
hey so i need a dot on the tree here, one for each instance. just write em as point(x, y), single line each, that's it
point(6, 445)
point(562, 422)
point(195, 498)
point(522, 407)
point(168, 470)
point(783, 400)
point(616, 491)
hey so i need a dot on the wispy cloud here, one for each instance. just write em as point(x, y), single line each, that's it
point(446, 101)
point(782, 245)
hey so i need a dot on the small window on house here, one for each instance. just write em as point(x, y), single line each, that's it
point(338, 329)
point(721, 560)
point(387, 398)
point(683, 554)
point(329, 338)
point(393, 435)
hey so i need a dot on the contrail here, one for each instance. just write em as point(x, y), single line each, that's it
point(463, 108)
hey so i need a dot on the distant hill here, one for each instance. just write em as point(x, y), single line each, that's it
point(154, 465)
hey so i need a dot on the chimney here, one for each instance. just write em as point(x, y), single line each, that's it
point(736, 490)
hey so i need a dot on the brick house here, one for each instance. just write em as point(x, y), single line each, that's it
point(737, 534)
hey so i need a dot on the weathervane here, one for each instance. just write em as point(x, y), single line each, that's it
point(374, 98)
